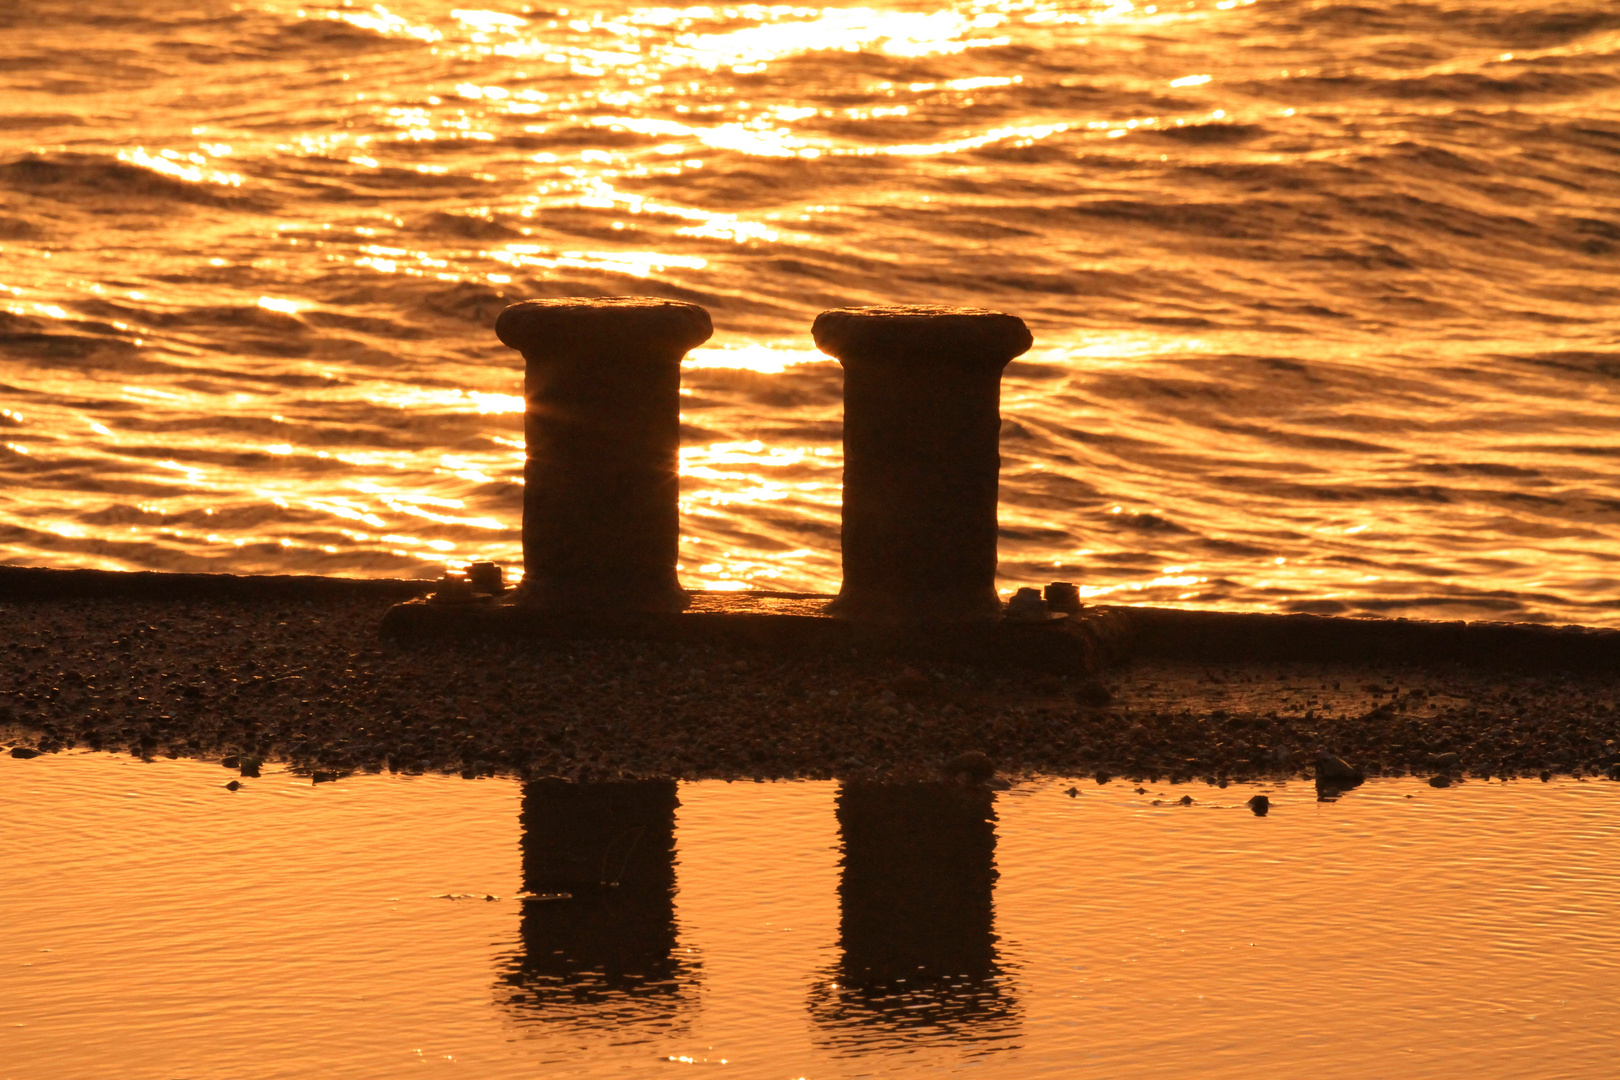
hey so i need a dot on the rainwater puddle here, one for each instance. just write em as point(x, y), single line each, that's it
point(160, 926)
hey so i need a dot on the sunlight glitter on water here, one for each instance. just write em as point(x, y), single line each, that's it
point(1300, 286)
point(767, 359)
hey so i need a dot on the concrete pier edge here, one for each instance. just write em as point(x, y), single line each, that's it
point(38, 583)
point(791, 622)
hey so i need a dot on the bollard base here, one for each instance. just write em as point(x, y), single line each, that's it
point(785, 622)
point(1233, 637)
point(1082, 642)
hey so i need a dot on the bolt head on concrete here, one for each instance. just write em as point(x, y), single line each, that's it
point(573, 326)
point(921, 333)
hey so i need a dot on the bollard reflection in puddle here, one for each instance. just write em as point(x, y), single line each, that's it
point(598, 926)
point(917, 914)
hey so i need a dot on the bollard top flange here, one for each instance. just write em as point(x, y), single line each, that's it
point(921, 333)
point(589, 324)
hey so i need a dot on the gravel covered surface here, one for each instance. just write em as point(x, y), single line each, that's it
point(310, 683)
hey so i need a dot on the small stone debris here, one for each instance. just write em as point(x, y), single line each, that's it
point(972, 765)
point(1186, 800)
point(1439, 780)
point(1261, 805)
point(234, 785)
point(1334, 771)
point(910, 683)
point(24, 752)
point(1072, 792)
point(1093, 694)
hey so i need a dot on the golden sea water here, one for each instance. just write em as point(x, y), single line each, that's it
point(1324, 295)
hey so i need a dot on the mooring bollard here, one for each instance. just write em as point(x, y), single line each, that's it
point(601, 526)
point(922, 421)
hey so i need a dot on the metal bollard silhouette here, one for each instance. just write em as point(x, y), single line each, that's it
point(602, 425)
point(922, 422)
